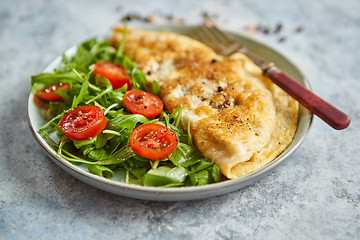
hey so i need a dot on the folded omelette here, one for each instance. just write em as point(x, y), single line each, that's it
point(240, 120)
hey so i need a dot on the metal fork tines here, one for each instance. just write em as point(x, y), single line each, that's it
point(223, 43)
point(219, 41)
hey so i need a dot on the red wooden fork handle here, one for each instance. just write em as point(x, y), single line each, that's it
point(324, 110)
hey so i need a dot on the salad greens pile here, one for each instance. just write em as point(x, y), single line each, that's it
point(109, 154)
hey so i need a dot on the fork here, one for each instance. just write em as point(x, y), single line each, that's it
point(224, 44)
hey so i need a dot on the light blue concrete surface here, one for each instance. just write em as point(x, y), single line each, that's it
point(314, 195)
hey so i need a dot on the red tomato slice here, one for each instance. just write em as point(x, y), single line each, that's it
point(117, 75)
point(153, 141)
point(144, 103)
point(83, 122)
point(49, 93)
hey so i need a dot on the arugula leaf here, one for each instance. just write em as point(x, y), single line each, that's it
point(87, 149)
point(185, 155)
point(88, 54)
point(137, 168)
point(99, 170)
point(83, 91)
point(138, 172)
point(119, 175)
point(126, 123)
point(97, 154)
point(202, 164)
point(215, 173)
point(138, 79)
point(101, 139)
point(119, 156)
point(165, 175)
point(156, 88)
point(57, 108)
point(126, 62)
point(199, 178)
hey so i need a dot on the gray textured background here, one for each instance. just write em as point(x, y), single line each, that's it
point(314, 195)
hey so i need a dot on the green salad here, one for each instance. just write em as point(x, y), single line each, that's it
point(110, 119)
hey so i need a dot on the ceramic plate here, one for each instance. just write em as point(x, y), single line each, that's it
point(181, 193)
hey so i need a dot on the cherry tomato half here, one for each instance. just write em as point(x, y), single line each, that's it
point(117, 75)
point(49, 93)
point(83, 122)
point(153, 141)
point(144, 103)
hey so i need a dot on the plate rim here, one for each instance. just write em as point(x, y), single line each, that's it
point(178, 193)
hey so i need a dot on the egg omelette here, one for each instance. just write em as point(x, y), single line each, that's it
point(240, 120)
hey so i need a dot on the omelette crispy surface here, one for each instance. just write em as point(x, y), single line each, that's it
point(240, 120)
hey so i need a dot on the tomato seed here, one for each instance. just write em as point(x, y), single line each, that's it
point(139, 98)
